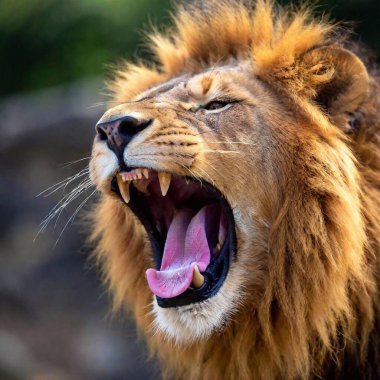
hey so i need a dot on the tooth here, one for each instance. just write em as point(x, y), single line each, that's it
point(198, 278)
point(164, 179)
point(146, 173)
point(222, 233)
point(124, 189)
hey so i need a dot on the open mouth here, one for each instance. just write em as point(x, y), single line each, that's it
point(191, 230)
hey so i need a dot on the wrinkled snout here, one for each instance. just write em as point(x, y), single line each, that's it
point(119, 132)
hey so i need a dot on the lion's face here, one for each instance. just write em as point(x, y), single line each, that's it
point(205, 143)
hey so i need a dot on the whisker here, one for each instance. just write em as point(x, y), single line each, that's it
point(100, 104)
point(219, 151)
point(71, 193)
point(230, 142)
point(207, 176)
point(86, 186)
point(62, 204)
point(64, 182)
point(191, 172)
point(204, 173)
point(64, 185)
point(204, 132)
point(87, 172)
point(206, 163)
point(65, 164)
point(71, 219)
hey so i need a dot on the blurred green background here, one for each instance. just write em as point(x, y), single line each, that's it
point(54, 58)
point(48, 42)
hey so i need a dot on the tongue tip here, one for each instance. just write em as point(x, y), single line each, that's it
point(171, 283)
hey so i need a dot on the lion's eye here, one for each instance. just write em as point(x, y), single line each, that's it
point(215, 105)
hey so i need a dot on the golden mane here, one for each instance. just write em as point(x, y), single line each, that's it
point(219, 31)
point(320, 307)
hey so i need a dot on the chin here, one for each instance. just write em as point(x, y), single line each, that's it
point(197, 322)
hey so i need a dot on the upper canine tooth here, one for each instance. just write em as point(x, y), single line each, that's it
point(124, 189)
point(146, 173)
point(198, 278)
point(164, 179)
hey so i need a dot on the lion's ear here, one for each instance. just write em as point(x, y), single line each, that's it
point(347, 86)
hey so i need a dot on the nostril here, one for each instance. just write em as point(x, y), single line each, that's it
point(102, 134)
point(130, 126)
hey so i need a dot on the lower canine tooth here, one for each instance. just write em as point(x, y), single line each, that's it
point(198, 278)
point(124, 189)
point(164, 179)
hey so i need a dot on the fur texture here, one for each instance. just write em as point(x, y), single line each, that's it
point(299, 163)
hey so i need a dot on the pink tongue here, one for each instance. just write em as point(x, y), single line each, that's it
point(186, 246)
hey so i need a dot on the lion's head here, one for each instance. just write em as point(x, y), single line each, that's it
point(238, 217)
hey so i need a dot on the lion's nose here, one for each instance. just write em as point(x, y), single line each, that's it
point(118, 133)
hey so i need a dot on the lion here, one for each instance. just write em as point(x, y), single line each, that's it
point(239, 219)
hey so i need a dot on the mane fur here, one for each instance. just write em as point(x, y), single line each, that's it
point(319, 313)
point(205, 35)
